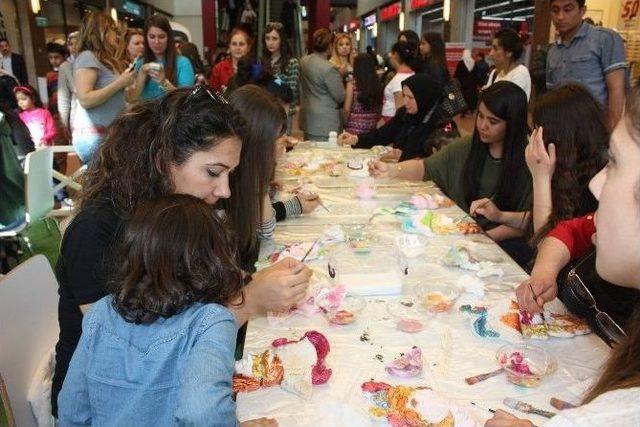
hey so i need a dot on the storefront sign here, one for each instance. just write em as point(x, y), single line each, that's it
point(390, 12)
point(484, 30)
point(369, 20)
point(454, 55)
point(629, 9)
point(418, 4)
point(42, 21)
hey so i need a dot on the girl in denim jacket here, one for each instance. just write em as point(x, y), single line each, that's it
point(159, 350)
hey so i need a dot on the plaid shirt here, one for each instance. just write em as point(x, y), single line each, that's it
point(290, 76)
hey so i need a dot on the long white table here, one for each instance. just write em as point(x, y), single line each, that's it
point(451, 352)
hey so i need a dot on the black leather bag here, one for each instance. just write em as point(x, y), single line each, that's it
point(453, 100)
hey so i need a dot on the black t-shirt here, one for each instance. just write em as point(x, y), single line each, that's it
point(82, 276)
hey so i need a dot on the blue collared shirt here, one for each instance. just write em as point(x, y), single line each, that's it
point(593, 53)
point(175, 371)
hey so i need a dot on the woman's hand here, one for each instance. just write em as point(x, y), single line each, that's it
point(541, 163)
point(346, 138)
point(393, 155)
point(127, 78)
point(486, 208)
point(278, 287)
point(308, 201)
point(260, 422)
point(154, 70)
point(382, 170)
point(504, 419)
point(534, 292)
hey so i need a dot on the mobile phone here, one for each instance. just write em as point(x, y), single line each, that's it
point(131, 66)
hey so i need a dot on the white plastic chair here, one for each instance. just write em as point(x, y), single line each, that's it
point(38, 194)
point(29, 319)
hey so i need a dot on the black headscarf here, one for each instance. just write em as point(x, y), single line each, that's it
point(427, 93)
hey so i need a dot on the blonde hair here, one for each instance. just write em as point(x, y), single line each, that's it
point(335, 58)
point(93, 33)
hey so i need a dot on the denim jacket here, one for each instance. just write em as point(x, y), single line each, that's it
point(176, 371)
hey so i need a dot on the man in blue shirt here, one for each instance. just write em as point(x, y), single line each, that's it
point(592, 56)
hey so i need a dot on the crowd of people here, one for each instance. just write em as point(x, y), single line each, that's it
point(148, 328)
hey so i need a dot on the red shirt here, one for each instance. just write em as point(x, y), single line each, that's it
point(576, 234)
point(221, 74)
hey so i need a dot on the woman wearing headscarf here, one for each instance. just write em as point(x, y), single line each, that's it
point(467, 77)
point(414, 126)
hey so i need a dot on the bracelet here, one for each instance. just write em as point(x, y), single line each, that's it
point(165, 84)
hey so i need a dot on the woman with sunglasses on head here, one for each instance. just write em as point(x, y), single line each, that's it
point(186, 142)
point(240, 45)
point(614, 399)
point(485, 173)
point(279, 61)
point(161, 69)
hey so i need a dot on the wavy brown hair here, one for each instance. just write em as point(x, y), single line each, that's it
point(155, 277)
point(622, 370)
point(161, 22)
point(133, 162)
point(93, 33)
point(575, 123)
point(250, 183)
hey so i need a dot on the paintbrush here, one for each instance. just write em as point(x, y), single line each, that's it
point(561, 404)
point(526, 408)
point(322, 204)
point(310, 249)
point(476, 379)
point(485, 409)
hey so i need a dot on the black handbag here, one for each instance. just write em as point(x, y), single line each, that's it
point(453, 100)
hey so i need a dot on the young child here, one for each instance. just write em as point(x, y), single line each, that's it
point(37, 119)
point(160, 349)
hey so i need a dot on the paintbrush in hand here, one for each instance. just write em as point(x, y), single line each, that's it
point(526, 408)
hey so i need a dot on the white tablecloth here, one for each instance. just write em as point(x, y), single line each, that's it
point(450, 351)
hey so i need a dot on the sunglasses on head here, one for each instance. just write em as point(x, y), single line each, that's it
point(209, 91)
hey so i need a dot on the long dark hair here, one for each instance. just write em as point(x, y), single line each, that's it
point(160, 21)
point(157, 277)
point(286, 53)
point(622, 370)
point(250, 183)
point(574, 121)
point(367, 81)
point(133, 161)
point(407, 53)
point(437, 52)
point(507, 101)
point(190, 50)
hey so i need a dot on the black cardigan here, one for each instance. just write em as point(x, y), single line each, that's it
point(403, 134)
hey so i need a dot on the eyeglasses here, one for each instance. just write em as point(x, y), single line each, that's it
point(215, 96)
point(609, 327)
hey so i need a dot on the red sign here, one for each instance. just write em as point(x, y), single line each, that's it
point(354, 24)
point(484, 30)
point(417, 4)
point(390, 12)
point(453, 52)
